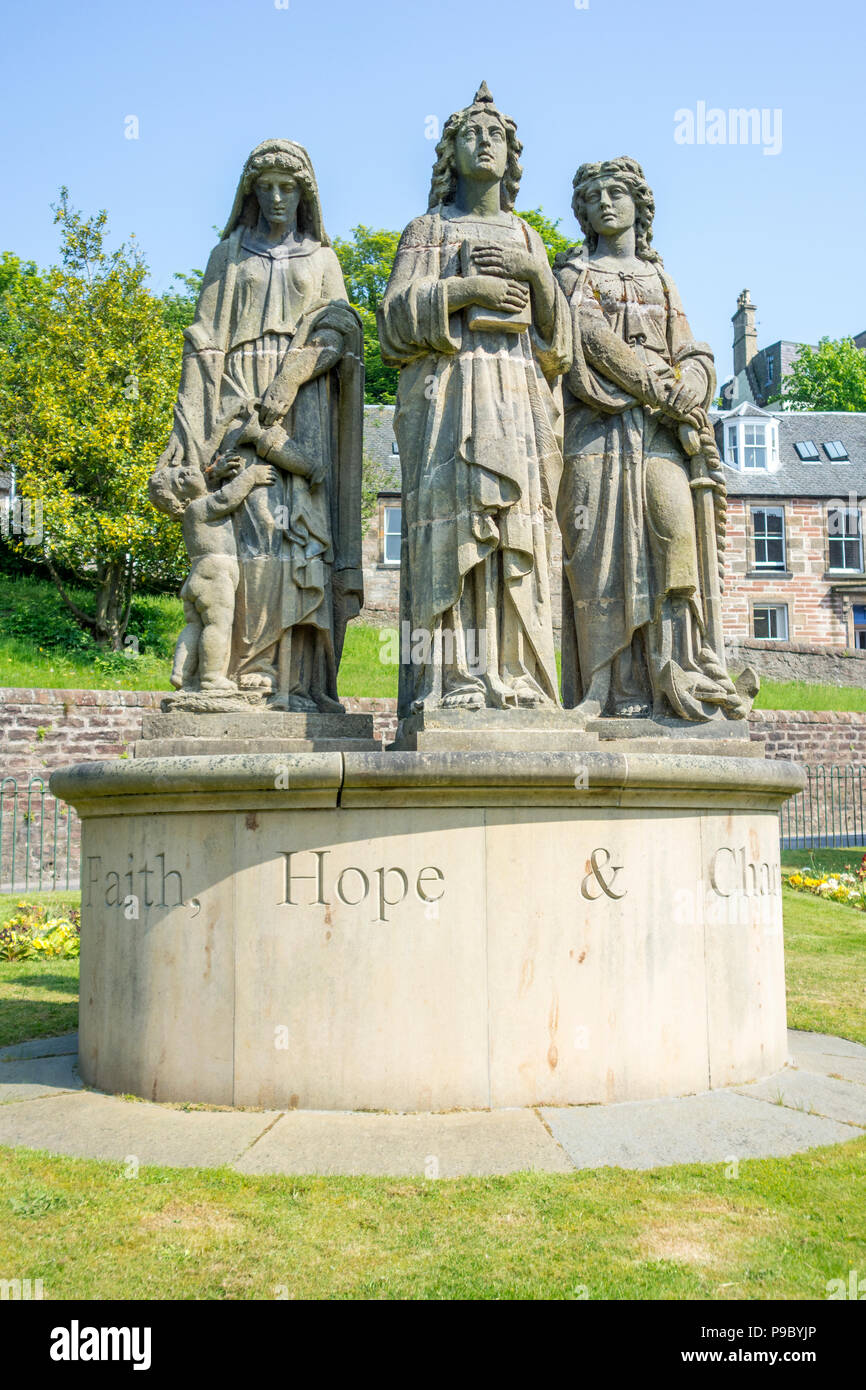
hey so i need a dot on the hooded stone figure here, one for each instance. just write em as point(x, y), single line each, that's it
point(480, 330)
point(273, 370)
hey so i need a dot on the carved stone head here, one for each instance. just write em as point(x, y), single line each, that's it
point(284, 157)
point(443, 186)
point(626, 173)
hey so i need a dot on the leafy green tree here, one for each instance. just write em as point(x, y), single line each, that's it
point(179, 305)
point(366, 261)
point(87, 386)
point(831, 376)
point(553, 239)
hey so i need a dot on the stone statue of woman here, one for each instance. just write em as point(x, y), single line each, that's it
point(476, 323)
point(273, 373)
point(641, 506)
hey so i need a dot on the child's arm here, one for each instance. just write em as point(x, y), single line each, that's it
point(230, 496)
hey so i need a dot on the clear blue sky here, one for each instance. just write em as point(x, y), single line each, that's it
point(355, 82)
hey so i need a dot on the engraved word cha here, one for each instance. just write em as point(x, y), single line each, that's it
point(733, 872)
point(352, 885)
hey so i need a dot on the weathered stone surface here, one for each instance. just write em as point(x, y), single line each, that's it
point(176, 734)
point(269, 496)
point(641, 505)
point(38, 1076)
point(95, 1126)
point(433, 1146)
point(548, 730)
point(474, 319)
point(421, 931)
point(715, 1128)
point(814, 1095)
point(63, 1045)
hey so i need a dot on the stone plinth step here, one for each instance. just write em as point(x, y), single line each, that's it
point(177, 733)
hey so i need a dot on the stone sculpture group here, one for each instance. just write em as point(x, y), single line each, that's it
point(528, 396)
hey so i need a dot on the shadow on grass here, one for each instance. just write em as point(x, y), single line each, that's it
point(58, 984)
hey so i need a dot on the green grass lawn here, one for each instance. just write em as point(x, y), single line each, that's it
point(41, 645)
point(780, 1230)
point(798, 695)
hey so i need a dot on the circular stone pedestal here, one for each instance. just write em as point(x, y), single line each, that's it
point(429, 931)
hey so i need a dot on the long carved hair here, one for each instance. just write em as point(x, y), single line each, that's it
point(443, 186)
point(290, 159)
point(625, 170)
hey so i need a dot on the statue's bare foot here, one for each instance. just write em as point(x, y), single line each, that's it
point(464, 697)
point(500, 695)
point(211, 683)
point(528, 695)
point(631, 709)
point(257, 680)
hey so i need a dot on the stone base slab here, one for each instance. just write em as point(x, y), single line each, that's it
point(426, 932)
point(177, 733)
point(557, 731)
point(796, 1109)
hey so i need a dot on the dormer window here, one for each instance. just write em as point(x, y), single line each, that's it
point(836, 451)
point(732, 453)
point(752, 442)
point(755, 455)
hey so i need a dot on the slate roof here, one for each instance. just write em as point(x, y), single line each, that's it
point(793, 478)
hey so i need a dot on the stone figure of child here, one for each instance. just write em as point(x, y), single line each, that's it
point(202, 652)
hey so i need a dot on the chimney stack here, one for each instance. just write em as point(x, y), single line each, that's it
point(745, 333)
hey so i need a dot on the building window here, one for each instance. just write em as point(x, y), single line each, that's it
point(859, 615)
point(395, 447)
point(836, 451)
point(768, 529)
point(755, 452)
point(752, 444)
point(770, 621)
point(391, 523)
point(806, 451)
point(770, 369)
point(845, 549)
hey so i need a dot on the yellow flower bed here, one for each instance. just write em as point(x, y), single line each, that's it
point(847, 887)
point(32, 934)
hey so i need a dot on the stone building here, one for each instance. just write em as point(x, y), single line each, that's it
point(759, 372)
point(795, 559)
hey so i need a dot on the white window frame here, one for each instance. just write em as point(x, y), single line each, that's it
point(768, 608)
point(736, 446)
point(770, 566)
point(847, 538)
point(731, 451)
point(756, 443)
point(389, 534)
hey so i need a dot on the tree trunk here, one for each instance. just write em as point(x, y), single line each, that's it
point(114, 589)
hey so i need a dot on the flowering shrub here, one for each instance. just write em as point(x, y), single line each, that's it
point(848, 887)
point(33, 933)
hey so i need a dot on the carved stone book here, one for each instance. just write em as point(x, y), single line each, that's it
point(482, 320)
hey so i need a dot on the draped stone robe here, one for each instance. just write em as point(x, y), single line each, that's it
point(625, 506)
point(256, 302)
point(477, 428)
